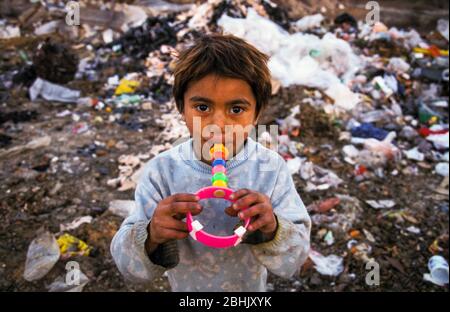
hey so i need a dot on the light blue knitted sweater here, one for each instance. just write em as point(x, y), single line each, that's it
point(200, 268)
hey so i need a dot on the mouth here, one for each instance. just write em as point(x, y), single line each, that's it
point(217, 139)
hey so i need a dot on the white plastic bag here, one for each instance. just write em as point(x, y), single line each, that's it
point(42, 255)
point(331, 265)
point(52, 92)
point(309, 21)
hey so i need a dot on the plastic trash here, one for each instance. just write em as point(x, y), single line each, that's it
point(442, 28)
point(381, 204)
point(80, 127)
point(438, 267)
point(42, 255)
point(342, 96)
point(442, 169)
point(413, 229)
point(331, 265)
point(60, 284)
point(398, 65)
point(70, 246)
point(377, 153)
point(436, 129)
point(336, 61)
point(414, 154)
point(126, 100)
point(329, 238)
point(380, 84)
point(351, 153)
point(317, 177)
point(440, 141)
point(47, 28)
point(310, 21)
point(367, 130)
point(126, 86)
point(374, 116)
point(427, 115)
point(9, 32)
point(75, 223)
point(52, 92)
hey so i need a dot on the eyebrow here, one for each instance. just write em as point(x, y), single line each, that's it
point(209, 101)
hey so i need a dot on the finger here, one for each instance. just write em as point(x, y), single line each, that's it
point(247, 201)
point(196, 212)
point(258, 223)
point(239, 193)
point(184, 197)
point(253, 211)
point(230, 211)
point(169, 234)
point(174, 224)
point(185, 207)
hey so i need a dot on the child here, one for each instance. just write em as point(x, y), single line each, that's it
point(221, 81)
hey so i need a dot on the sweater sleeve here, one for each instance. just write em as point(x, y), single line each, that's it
point(289, 249)
point(128, 245)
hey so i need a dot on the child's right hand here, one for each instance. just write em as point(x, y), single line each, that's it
point(166, 222)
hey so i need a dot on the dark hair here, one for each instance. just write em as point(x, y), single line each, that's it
point(224, 55)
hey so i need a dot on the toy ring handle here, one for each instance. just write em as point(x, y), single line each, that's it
point(196, 228)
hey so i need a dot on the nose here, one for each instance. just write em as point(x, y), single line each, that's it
point(219, 120)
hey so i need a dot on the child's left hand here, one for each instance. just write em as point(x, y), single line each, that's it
point(259, 209)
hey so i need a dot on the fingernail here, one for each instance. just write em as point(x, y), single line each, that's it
point(232, 196)
point(250, 228)
point(197, 198)
point(241, 215)
point(235, 207)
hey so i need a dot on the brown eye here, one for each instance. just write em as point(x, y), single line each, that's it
point(202, 108)
point(236, 110)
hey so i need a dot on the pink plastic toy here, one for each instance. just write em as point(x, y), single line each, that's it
point(219, 177)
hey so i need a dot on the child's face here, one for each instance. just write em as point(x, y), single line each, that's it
point(218, 102)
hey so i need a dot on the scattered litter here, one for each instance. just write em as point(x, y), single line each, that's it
point(331, 265)
point(381, 204)
point(75, 223)
point(438, 267)
point(52, 92)
point(442, 169)
point(60, 283)
point(42, 255)
point(70, 246)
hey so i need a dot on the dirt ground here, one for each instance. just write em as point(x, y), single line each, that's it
point(48, 186)
point(29, 201)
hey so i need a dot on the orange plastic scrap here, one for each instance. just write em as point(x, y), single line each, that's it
point(355, 233)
